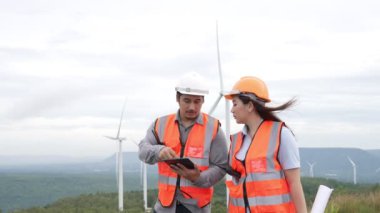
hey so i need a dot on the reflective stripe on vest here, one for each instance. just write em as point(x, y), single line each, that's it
point(197, 149)
point(266, 187)
point(262, 200)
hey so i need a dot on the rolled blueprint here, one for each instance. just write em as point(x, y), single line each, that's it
point(321, 199)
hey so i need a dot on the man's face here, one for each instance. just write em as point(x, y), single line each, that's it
point(190, 106)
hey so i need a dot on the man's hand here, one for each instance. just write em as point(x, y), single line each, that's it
point(166, 153)
point(190, 174)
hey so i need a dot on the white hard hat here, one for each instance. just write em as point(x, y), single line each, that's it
point(192, 84)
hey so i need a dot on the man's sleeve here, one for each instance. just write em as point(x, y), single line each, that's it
point(218, 158)
point(149, 147)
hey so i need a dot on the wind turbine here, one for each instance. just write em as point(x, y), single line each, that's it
point(120, 161)
point(311, 169)
point(353, 168)
point(227, 103)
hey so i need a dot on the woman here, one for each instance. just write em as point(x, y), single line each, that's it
point(264, 154)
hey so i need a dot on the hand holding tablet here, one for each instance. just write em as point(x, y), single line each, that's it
point(183, 161)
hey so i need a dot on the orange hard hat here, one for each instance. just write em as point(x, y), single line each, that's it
point(249, 84)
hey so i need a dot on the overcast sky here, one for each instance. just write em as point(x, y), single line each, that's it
point(67, 66)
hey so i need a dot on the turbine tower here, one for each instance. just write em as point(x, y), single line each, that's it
point(120, 161)
point(145, 185)
point(227, 103)
point(353, 168)
point(144, 182)
point(311, 169)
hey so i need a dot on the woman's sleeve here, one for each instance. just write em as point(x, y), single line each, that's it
point(288, 153)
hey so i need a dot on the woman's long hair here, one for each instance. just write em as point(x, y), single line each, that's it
point(265, 112)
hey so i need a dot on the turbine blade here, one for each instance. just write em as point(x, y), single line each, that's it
point(121, 118)
point(218, 54)
point(352, 162)
point(109, 137)
point(215, 104)
point(134, 142)
point(219, 70)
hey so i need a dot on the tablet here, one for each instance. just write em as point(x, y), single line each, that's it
point(184, 161)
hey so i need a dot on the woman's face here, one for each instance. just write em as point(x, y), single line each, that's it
point(239, 110)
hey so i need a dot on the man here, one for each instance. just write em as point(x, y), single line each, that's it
point(191, 134)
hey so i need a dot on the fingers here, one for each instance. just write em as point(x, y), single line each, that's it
point(180, 166)
point(166, 153)
point(172, 154)
point(179, 169)
point(190, 174)
point(175, 168)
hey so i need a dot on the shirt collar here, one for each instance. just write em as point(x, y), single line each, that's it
point(245, 130)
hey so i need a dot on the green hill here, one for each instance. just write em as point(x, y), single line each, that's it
point(24, 190)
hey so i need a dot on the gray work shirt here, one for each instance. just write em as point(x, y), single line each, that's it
point(149, 150)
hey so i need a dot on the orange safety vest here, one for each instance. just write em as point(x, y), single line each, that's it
point(197, 149)
point(262, 186)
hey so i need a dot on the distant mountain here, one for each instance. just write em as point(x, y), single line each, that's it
point(329, 163)
point(374, 152)
point(333, 163)
point(131, 164)
point(15, 160)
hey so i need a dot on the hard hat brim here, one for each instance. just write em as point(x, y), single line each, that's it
point(189, 91)
point(230, 95)
point(192, 93)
